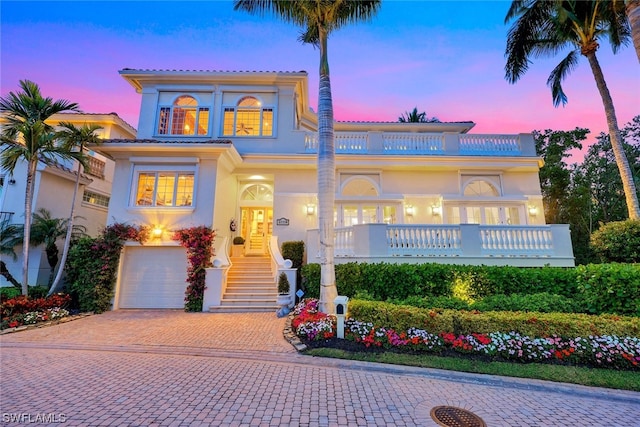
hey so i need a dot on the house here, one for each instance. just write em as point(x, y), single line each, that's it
point(220, 148)
point(53, 190)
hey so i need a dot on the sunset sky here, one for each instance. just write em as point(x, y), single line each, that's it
point(444, 57)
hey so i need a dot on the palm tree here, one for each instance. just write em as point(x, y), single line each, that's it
point(9, 239)
point(633, 13)
point(75, 137)
point(319, 18)
point(544, 27)
point(46, 230)
point(27, 138)
point(415, 117)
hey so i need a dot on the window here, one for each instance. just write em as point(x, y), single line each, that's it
point(480, 187)
point(248, 118)
point(184, 117)
point(166, 189)
point(95, 199)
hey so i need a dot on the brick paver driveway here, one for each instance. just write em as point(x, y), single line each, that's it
point(143, 368)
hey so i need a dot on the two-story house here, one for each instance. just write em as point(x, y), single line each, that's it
point(215, 148)
point(53, 190)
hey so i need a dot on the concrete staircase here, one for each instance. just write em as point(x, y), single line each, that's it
point(251, 287)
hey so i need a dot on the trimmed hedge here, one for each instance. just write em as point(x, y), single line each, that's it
point(596, 288)
point(610, 288)
point(467, 322)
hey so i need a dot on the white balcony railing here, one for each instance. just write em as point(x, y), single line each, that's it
point(409, 143)
point(460, 244)
point(490, 144)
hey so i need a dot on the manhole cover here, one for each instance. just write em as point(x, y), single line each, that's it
point(450, 416)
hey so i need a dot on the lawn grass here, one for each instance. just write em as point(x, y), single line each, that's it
point(595, 377)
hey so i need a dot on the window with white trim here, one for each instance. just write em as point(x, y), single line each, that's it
point(184, 117)
point(248, 118)
point(164, 188)
point(94, 198)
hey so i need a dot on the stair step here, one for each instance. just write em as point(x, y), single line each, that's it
point(248, 302)
point(249, 289)
point(243, 309)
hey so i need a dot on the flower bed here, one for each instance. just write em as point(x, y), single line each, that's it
point(607, 351)
point(23, 310)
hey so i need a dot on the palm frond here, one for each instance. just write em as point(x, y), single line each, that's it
point(558, 74)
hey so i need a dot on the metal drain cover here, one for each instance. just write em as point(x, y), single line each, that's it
point(450, 416)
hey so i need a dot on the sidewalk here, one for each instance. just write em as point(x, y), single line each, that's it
point(174, 368)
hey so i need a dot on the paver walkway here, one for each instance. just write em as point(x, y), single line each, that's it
point(156, 368)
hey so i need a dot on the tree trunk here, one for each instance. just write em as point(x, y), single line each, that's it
point(633, 13)
point(67, 239)
point(4, 272)
point(326, 182)
point(28, 199)
point(628, 184)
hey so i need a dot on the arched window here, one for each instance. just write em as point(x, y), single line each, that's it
point(184, 117)
point(480, 187)
point(359, 187)
point(257, 192)
point(248, 118)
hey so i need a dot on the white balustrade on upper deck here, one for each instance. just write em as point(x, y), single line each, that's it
point(523, 245)
point(422, 143)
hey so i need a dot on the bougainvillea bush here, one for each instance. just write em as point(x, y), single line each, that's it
point(199, 244)
point(23, 310)
point(609, 351)
point(93, 264)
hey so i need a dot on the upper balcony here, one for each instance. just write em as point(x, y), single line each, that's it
point(411, 143)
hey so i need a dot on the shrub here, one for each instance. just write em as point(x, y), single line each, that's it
point(294, 251)
point(467, 322)
point(8, 292)
point(38, 291)
point(543, 302)
point(26, 310)
point(610, 288)
point(442, 302)
point(238, 240)
point(92, 265)
point(283, 284)
point(618, 241)
point(198, 241)
point(311, 280)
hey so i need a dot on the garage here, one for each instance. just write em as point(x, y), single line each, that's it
point(153, 277)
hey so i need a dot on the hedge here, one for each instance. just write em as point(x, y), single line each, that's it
point(467, 322)
point(595, 288)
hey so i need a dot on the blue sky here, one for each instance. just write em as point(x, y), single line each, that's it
point(444, 57)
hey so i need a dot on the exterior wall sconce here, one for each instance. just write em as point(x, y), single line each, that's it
point(533, 210)
point(311, 209)
point(409, 210)
point(156, 231)
point(12, 181)
point(436, 210)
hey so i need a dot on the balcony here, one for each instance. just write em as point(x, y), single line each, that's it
point(408, 143)
point(522, 246)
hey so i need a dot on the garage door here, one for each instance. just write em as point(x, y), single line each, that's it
point(153, 277)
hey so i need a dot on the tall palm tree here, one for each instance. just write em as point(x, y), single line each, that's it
point(633, 13)
point(27, 138)
point(544, 27)
point(46, 230)
point(318, 18)
point(75, 137)
point(415, 117)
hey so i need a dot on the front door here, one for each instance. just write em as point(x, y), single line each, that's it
point(256, 228)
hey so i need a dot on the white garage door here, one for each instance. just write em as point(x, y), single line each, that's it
point(153, 277)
